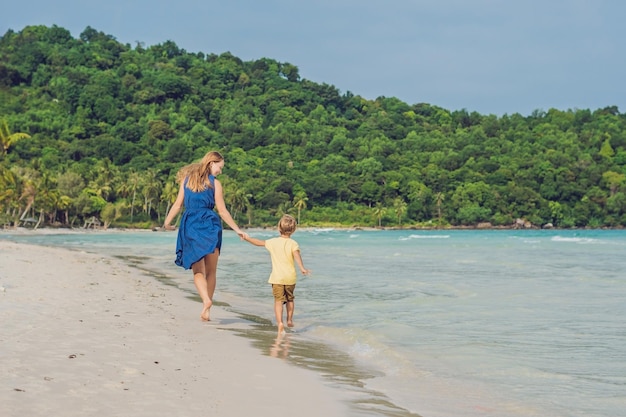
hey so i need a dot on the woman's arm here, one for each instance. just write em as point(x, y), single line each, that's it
point(222, 210)
point(178, 204)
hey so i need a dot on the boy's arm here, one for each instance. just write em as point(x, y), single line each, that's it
point(254, 241)
point(298, 259)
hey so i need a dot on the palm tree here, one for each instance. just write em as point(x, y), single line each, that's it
point(65, 203)
point(7, 138)
point(103, 184)
point(129, 188)
point(379, 212)
point(439, 198)
point(111, 212)
point(237, 198)
point(249, 209)
point(29, 192)
point(151, 190)
point(124, 189)
point(169, 194)
point(47, 198)
point(299, 202)
point(7, 185)
point(284, 208)
point(8, 191)
point(399, 206)
point(27, 185)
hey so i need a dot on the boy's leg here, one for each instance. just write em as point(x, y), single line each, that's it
point(279, 298)
point(289, 295)
point(290, 309)
point(278, 311)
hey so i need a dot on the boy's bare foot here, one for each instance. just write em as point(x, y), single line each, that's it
point(204, 316)
point(289, 323)
point(281, 328)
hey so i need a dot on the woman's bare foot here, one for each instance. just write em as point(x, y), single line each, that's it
point(289, 323)
point(281, 328)
point(204, 316)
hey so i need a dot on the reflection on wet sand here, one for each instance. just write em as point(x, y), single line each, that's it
point(338, 368)
point(281, 345)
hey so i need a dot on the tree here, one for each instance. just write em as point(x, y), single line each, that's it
point(88, 204)
point(284, 208)
point(108, 215)
point(168, 195)
point(439, 197)
point(290, 72)
point(614, 180)
point(29, 193)
point(243, 80)
point(107, 173)
point(129, 188)
point(7, 138)
point(399, 207)
point(556, 211)
point(616, 204)
point(299, 202)
point(379, 212)
point(64, 203)
point(150, 189)
point(70, 184)
point(8, 191)
point(236, 197)
point(47, 198)
point(606, 150)
point(240, 200)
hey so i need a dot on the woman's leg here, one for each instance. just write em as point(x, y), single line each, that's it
point(210, 265)
point(200, 280)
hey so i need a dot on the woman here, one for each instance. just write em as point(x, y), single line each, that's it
point(200, 232)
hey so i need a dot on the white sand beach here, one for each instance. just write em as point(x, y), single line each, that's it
point(87, 335)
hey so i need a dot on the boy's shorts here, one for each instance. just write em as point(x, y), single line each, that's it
point(283, 293)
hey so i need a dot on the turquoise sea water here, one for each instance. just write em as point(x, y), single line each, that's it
point(437, 323)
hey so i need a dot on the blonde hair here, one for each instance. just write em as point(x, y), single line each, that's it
point(287, 224)
point(198, 172)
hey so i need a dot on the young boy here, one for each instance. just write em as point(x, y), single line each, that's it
point(283, 251)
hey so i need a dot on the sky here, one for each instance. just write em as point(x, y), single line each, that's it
point(487, 56)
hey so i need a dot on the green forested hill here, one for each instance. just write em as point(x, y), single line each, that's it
point(92, 127)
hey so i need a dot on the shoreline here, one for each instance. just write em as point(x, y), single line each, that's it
point(481, 226)
point(85, 334)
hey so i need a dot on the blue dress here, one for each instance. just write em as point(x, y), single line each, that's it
point(200, 230)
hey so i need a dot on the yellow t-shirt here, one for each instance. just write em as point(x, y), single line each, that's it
point(281, 251)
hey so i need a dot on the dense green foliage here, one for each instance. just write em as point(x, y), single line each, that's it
point(93, 127)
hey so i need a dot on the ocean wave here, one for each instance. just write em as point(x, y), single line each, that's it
point(584, 240)
point(424, 237)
